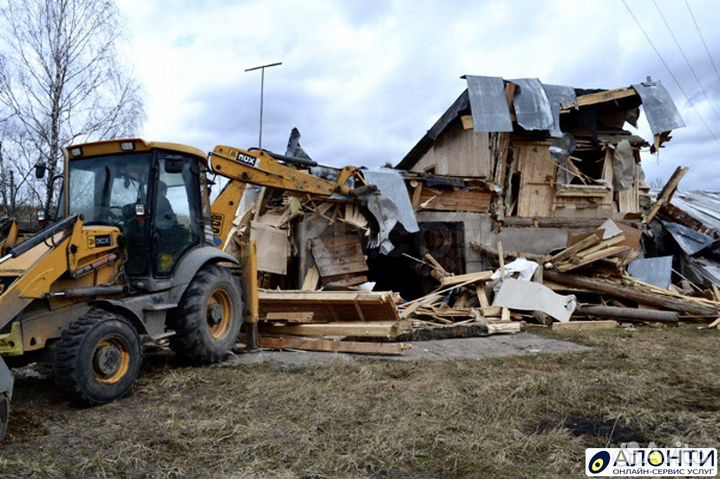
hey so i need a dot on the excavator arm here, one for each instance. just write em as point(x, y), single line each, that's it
point(262, 168)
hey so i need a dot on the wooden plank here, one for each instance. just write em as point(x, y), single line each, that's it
point(666, 194)
point(329, 345)
point(472, 201)
point(273, 247)
point(465, 278)
point(312, 278)
point(615, 240)
point(291, 316)
point(588, 242)
point(332, 305)
point(585, 325)
point(482, 296)
point(505, 328)
point(338, 255)
point(603, 97)
point(586, 260)
point(364, 329)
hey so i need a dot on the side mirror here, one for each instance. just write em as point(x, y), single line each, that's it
point(40, 169)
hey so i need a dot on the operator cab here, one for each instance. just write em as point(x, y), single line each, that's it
point(155, 193)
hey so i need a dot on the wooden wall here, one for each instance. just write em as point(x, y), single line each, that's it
point(458, 152)
point(537, 180)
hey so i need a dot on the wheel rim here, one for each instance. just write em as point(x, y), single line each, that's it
point(111, 360)
point(219, 314)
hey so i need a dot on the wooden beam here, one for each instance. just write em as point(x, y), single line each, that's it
point(603, 97)
point(365, 329)
point(312, 278)
point(329, 345)
point(591, 258)
point(465, 278)
point(666, 194)
point(588, 242)
point(291, 316)
point(585, 325)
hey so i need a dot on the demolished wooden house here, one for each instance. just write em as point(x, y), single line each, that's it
point(516, 159)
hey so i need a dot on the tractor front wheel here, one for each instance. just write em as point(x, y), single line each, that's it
point(98, 358)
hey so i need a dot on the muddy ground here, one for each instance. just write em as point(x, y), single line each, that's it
point(526, 416)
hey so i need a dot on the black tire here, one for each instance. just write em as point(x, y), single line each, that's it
point(203, 334)
point(98, 358)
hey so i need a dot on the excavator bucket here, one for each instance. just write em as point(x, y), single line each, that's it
point(6, 389)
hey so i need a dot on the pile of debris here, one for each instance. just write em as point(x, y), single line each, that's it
point(545, 170)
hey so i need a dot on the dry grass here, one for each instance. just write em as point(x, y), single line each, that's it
point(519, 417)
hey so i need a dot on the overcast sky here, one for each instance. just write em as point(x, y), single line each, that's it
point(363, 80)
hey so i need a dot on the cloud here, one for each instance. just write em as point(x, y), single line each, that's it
point(363, 81)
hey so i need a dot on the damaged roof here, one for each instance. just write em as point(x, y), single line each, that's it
point(538, 107)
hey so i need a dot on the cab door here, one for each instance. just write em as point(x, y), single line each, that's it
point(177, 211)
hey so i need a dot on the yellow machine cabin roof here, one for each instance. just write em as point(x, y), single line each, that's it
point(127, 145)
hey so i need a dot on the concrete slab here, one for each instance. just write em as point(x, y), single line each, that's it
point(522, 344)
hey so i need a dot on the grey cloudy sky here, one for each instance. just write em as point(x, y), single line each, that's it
point(363, 80)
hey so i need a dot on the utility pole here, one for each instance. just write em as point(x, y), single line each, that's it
point(262, 92)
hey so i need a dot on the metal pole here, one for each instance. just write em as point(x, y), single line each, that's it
point(262, 93)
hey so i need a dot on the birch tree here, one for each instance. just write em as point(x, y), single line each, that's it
point(61, 83)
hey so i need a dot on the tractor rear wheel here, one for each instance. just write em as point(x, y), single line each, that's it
point(98, 358)
point(208, 319)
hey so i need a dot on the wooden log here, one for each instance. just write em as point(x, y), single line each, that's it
point(583, 325)
point(633, 294)
point(329, 345)
point(629, 314)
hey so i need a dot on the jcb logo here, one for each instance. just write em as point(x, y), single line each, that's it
point(216, 222)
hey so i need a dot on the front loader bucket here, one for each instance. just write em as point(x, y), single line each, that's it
point(6, 389)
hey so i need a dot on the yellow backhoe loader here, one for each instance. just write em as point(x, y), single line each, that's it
point(133, 254)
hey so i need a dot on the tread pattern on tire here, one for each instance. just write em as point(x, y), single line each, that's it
point(67, 351)
point(189, 341)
